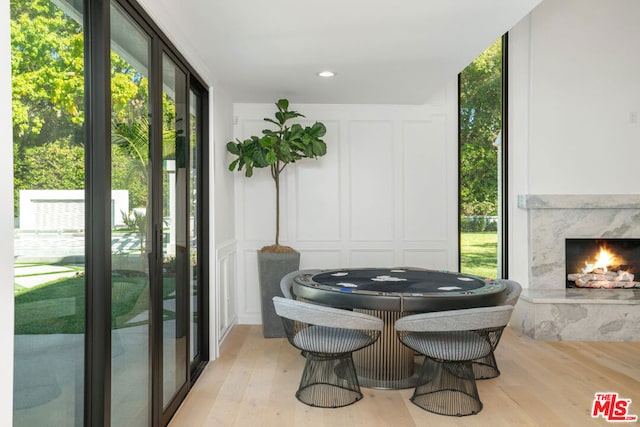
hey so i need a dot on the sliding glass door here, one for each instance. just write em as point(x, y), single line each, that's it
point(175, 283)
point(131, 245)
point(47, 45)
point(110, 292)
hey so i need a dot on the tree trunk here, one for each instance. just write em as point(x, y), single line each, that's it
point(276, 178)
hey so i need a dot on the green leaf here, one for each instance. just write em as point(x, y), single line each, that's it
point(233, 148)
point(252, 144)
point(297, 144)
point(268, 141)
point(296, 131)
point(319, 147)
point(259, 158)
point(233, 164)
point(269, 132)
point(285, 149)
point(271, 157)
point(308, 150)
point(282, 104)
point(288, 115)
point(318, 130)
point(240, 163)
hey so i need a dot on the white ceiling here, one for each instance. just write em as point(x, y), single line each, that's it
point(383, 51)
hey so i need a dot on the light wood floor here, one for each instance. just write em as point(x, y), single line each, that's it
point(542, 384)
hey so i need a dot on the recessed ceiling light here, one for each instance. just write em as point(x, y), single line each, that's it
point(326, 73)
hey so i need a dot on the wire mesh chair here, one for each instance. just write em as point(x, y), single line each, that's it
point(487, 367)
point(450, 341)
point(286, 286)
point(327, 336)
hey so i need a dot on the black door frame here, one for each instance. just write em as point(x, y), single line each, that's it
point(97, 401)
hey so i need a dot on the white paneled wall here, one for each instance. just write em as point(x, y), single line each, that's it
point(370, 176)
point(318, 184)
point(226, 291)
point(385, 194)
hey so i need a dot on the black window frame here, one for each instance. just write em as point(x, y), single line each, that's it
point(503, 242)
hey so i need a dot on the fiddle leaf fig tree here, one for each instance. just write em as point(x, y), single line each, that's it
point(276, 149)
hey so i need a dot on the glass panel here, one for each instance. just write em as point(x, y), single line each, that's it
point(194, 123)
point(47, 48)
point(480, 160)
point(131, 208)
point(174, 241)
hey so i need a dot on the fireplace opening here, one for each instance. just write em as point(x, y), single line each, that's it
point(603, 263)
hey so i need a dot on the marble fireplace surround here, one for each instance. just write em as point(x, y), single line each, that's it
point(547, 310)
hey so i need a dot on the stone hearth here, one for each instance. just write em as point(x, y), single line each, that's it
point(547, 310)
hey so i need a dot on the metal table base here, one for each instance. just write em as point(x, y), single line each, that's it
point(387, 364)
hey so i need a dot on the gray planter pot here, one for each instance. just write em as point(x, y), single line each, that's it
point(272, 267)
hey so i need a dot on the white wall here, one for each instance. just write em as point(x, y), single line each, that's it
point(6, 222)
point(384, 195)
point(518, 151)
point(584, 89)
point(223, 185)
point(223, 248)
point(575, 101)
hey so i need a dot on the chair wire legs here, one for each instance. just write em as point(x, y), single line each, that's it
point(486, 367)
point(329, 381)
point(447, 388)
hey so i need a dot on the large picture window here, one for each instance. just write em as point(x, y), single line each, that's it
point(482, 166)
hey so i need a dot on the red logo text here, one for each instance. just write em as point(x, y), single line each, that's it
point(612, 408)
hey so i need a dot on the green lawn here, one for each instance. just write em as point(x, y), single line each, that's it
point(479, 253)
point(59, 306)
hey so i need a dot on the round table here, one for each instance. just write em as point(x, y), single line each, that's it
point(391, 293)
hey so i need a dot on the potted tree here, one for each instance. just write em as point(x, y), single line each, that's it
point(276, 149)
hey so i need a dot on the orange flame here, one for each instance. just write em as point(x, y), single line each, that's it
point(605, 258)
point(602, 260)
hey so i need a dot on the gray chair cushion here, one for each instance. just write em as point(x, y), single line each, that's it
point(458, 346)
point(321, 339)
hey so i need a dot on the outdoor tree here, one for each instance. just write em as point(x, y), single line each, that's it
point(52, 166)
point(480, 125)
point(47, 72)
point(47, 62)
